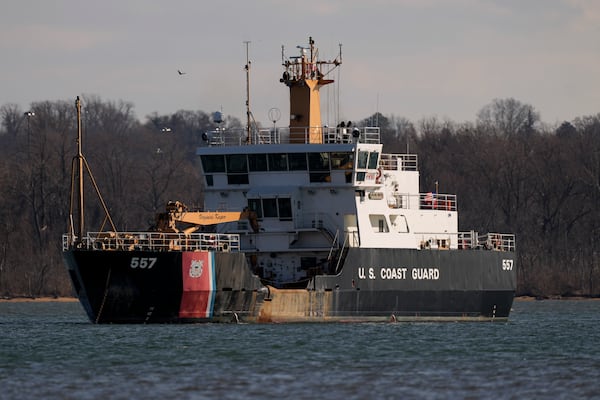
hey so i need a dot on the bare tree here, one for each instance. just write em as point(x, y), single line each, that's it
point(12, 118)
point(509, 171)
point(508, 117)
point(113, 118)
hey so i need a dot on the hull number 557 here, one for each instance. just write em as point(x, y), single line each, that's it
point(142, 262)
point(507, 265)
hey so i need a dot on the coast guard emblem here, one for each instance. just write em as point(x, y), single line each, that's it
point(196, 268)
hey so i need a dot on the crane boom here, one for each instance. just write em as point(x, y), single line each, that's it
point(177, 212)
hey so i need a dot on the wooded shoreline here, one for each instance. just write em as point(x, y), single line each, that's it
point(510, 173)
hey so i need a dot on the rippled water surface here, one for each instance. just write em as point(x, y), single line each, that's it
point(548, 349)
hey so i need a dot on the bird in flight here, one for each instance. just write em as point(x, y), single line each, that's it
point(181, 73)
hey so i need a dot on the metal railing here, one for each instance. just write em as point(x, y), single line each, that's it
point(489, 241)
point(153, 241)
point(437, 201)
point(277, 135)
point(426, 201)
point(399, 162)
point(316, 220)
point(468, 241)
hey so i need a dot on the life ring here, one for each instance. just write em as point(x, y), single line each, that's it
point(212, 242)
point(497, 242)
point(378, 177)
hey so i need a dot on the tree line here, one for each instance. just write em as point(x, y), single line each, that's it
point(510, 171)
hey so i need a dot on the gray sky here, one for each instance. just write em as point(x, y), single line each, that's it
point(409, 58)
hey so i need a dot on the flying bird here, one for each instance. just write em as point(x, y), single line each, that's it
point(181, 73)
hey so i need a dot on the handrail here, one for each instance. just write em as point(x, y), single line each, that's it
point(466, 241)
point(281, 135)
point(437, 201)
point(154, 241)
point(333, 244)
point(398, 162)
point(488, 241)
point(498, 241)
point(318, 220)
point(425, 201)
point(341, 253)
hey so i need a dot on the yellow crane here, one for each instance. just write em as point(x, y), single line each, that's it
point(177, 212)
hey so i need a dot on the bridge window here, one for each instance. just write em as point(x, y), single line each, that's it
point(277, 162)
point(342, 161)
point(237, 169)
point(366, 160)
point(363, 157)
point(297, 161)
point(373, 160)
point(318, 161)
point(212, 164)
point(257, 162)
point(236, 163)
point(318, 165)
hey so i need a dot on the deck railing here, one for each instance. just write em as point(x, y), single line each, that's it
point(398, 162)
point(489, 241)
point(437, 201)
point(153, 241)
point(156, 241)
point(467, 241)
point(281, 135)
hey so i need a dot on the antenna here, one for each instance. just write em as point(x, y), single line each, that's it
point(377, 111)
point(80, 225)
point(248, 112)
point(337, 100)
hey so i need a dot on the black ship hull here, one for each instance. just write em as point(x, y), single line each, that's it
point(371, 285)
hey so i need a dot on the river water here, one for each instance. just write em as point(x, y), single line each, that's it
point(548, 349)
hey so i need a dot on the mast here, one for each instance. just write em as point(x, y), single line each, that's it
point(248, 112)
point(305, 75)
point(80, 222)
point(77, 168)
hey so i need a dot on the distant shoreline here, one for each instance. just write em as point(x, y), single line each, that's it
point(37, 299)
point(551, 297)
point(74, 299)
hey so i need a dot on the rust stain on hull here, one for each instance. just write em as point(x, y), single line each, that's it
point(295, 305)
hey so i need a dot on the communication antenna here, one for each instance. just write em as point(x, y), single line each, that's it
point(377, 111)
point(274, 115)
point(248, 112)
point(337, 117)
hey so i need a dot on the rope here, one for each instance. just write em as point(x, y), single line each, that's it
point(105, 296)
